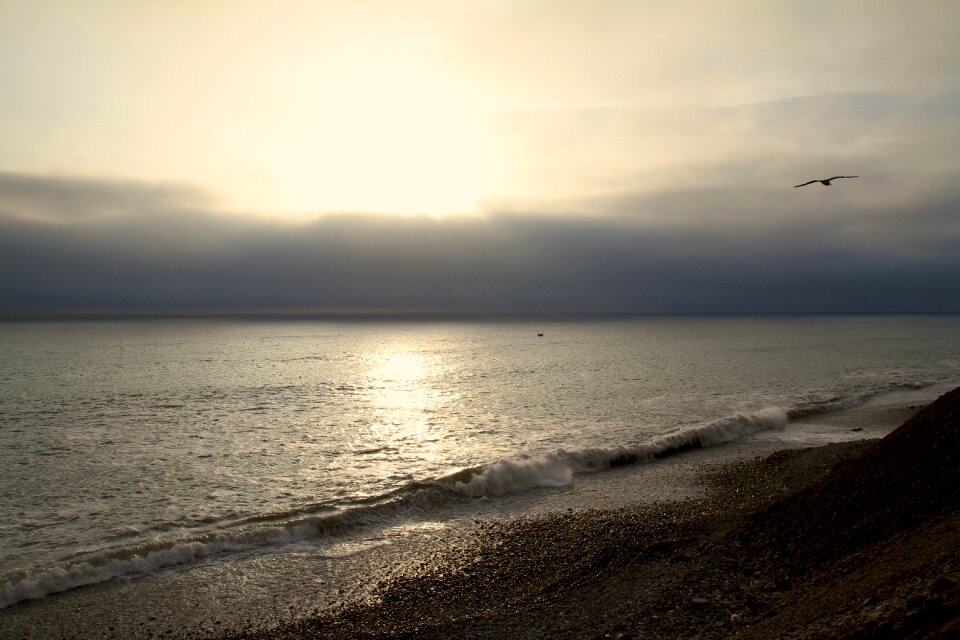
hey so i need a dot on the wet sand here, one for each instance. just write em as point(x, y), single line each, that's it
point(849, 540)
point(715, 560)
point(655, 570)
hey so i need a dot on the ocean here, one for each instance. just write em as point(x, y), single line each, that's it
point(225, 455)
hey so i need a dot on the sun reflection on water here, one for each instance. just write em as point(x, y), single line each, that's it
point(404, 396)
point(399, 380)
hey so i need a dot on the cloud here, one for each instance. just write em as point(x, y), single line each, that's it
point(61, 199)
point(706, 251)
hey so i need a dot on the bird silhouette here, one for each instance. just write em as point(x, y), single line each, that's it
point(825, 182)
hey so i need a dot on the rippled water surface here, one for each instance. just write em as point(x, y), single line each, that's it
point(131, 445)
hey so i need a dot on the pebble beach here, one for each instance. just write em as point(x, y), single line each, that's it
point(764, 554)
point(798, 543)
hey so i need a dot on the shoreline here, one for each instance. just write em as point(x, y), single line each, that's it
point(597, 573)
point(652, 568)
point(846, 540)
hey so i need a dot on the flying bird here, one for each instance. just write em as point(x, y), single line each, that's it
point(825, 183)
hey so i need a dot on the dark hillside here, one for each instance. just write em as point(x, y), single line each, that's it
point(851, 541)
point(906, 478)
point(871, 550)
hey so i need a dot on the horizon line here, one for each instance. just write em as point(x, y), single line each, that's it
point(307, 313)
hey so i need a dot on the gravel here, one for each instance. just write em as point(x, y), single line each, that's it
point(850, 540)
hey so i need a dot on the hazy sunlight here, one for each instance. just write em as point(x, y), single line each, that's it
point(387, 140)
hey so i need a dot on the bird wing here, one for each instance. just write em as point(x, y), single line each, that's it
point(835, 177)
point(805, 184)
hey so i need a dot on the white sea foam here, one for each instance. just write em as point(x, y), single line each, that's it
point(191, 454)
point(735, 427)
point(557, 469)
point(502, 477)
point(148, 558)
point(508, 476)
point(143, 559)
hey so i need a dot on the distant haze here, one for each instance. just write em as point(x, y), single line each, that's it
point(474, 156)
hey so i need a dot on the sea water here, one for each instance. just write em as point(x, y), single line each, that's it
point(133, 447)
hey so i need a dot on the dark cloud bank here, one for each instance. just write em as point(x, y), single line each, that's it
point(69, 244)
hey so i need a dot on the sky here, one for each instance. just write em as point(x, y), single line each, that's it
point(479, 156)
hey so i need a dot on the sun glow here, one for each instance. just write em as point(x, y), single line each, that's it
point(386, 140)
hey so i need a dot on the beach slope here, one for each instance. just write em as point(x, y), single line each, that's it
point(852, 540)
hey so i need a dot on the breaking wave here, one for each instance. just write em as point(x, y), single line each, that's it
point(558, 468)
point(509, 475)
point(247, 534)
point(832, 404)
point(505, 476)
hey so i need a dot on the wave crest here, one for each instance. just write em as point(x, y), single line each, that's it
point(557, 469)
